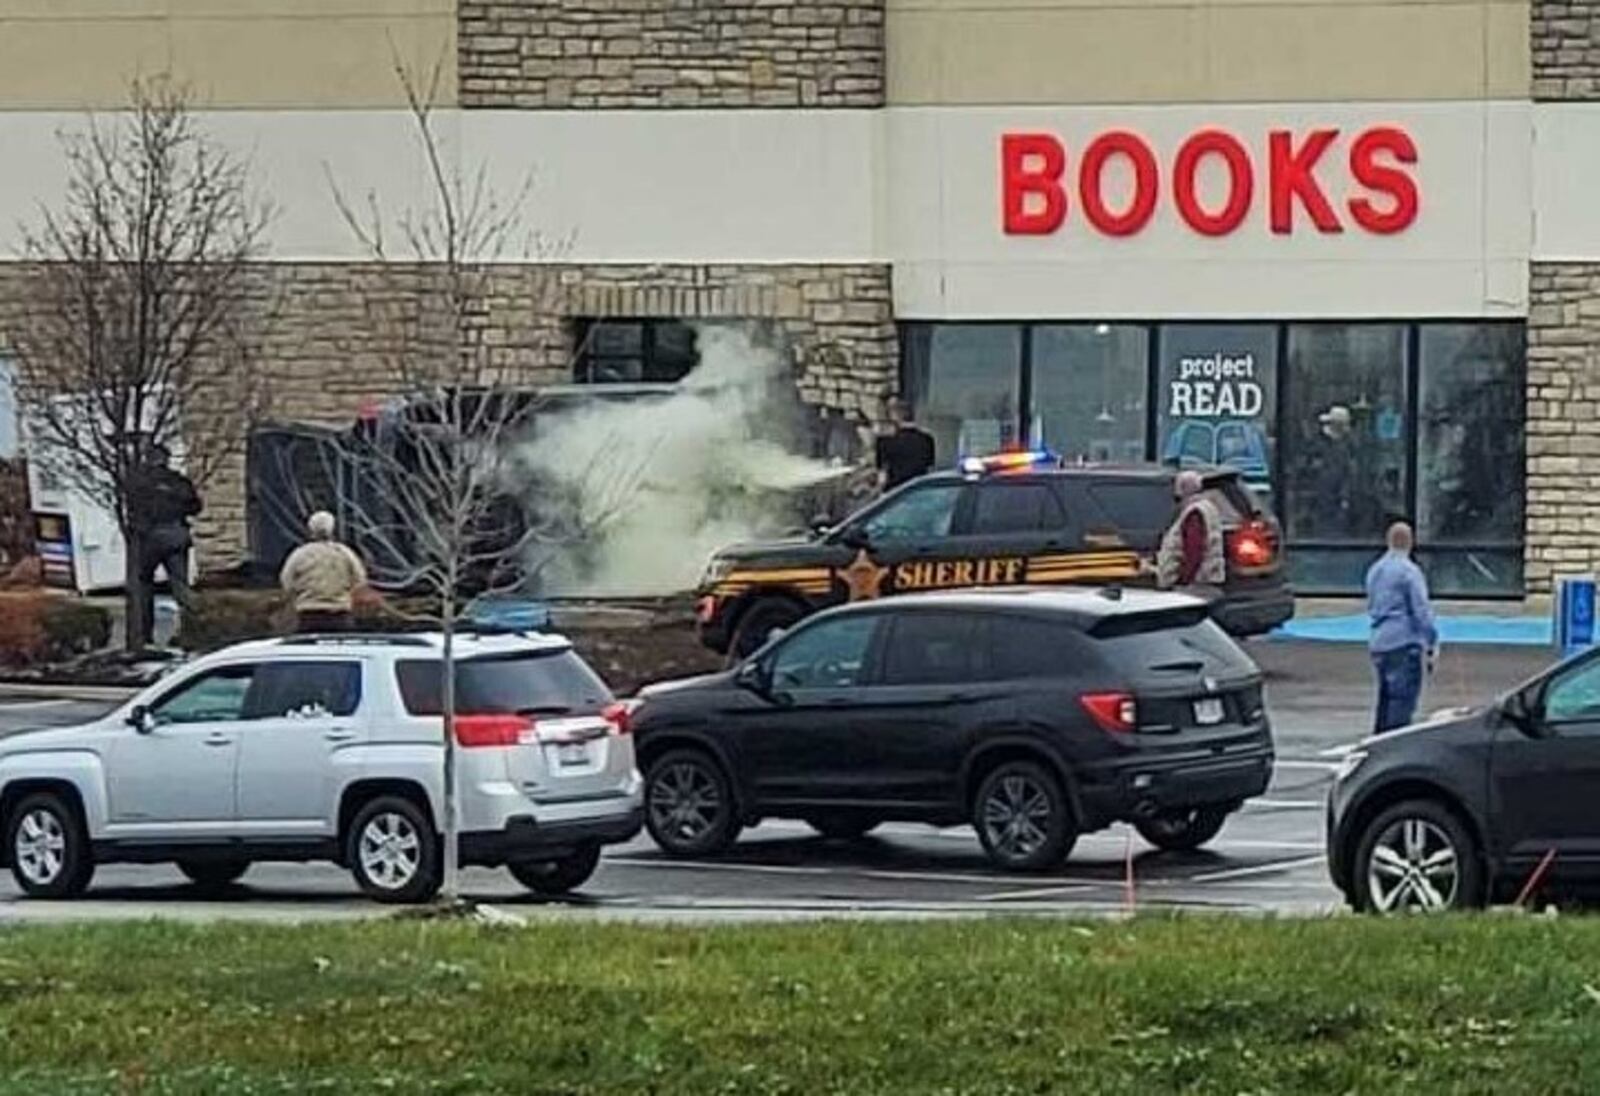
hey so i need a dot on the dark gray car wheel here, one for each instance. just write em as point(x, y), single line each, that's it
point(552, 878)
point(1416, 857)
point(1183, 830)
point(49, 850)
point(688, 804)
point(1022, 818)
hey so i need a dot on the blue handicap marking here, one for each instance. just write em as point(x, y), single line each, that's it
point(1575, 609)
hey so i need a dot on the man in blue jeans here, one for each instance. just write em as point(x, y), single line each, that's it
point(1404, 639)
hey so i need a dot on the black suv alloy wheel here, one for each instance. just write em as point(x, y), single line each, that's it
point(688, 804)
point(1021, 817)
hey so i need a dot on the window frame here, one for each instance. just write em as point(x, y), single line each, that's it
point(1585, 667)
point(649, 355)
point(871, 661)
point(914, 622)
point(1063, 527)
point(359, 665)
point(178, 688)
point(959, 510)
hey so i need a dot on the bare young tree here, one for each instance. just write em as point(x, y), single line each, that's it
point(430, 490)
point(137, 329)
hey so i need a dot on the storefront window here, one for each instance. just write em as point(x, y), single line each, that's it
point(1345, 431)
point(1470, 454)
point(1218, 394)
point(1088, 387)
point(1343, 435)
point(964, 381)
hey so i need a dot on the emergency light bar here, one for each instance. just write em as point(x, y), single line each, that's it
point(1000, 463)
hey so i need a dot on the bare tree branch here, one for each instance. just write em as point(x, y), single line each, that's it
point(142, 317)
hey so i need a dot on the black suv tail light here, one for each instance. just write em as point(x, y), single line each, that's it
point(1116, 712)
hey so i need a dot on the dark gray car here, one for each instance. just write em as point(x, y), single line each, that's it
point(1460, 811)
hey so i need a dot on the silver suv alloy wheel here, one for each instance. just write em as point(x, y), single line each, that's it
point(41, 847)
point(390, 850)
point(1414, 865)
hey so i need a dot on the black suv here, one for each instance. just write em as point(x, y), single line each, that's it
point(994, 524)
point(1459, 811)
point(1034, 715)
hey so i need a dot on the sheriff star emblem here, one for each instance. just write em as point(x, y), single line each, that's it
point(863, 578)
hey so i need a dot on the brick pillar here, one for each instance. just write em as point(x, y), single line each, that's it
point(1563, 422)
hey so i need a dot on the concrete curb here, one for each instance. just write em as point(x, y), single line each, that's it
point(87, 693)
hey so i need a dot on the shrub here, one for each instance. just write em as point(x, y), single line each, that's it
point(219, 618)
point(223, 617)
point(39, 628)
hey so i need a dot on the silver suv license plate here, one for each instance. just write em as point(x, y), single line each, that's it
point(1208, 712)
point(572, 753)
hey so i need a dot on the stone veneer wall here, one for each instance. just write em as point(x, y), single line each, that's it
point(1565, 36)
point(1563, 422)
point(325, 355)
point(671, 53)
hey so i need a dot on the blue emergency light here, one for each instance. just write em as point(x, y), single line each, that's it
point(1020, 460)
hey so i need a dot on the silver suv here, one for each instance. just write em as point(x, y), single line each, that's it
point(331, 748)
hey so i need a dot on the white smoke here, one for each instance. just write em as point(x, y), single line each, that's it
point(653, 486)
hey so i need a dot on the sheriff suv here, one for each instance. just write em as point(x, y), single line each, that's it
point(1000, 521)
point(1032, 715)
point(331, 748)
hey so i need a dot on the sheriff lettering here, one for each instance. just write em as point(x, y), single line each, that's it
point(937, 574)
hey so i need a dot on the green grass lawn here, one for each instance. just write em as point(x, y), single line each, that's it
point(1208, 1005)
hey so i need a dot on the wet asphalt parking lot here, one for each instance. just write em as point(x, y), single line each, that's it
point(1268, 858)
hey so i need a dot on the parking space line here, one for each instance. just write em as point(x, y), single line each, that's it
point(1076, 886)
point(1286, 804)
point(32, 705)
point(712, 865)
point(1256, 869)
point(1297, 763)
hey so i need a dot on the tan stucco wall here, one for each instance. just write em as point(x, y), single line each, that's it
point(75, 54)
point(1153, 51)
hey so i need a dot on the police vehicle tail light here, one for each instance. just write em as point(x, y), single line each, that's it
point(1115, 712)
point(1251, 546)
point(476, 731)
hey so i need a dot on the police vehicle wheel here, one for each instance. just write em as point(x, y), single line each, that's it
point(757, 626)
point(843, 826)
point(556, 877)
point(1022, 819)
point(1183, 830)
point(688, 804)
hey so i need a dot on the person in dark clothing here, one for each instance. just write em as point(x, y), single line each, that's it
point(905, 454)
point(161, 502)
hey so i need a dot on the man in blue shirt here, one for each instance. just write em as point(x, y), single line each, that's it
point(1404, 637)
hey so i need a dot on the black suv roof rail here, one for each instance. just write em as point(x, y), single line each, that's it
point(369, 639)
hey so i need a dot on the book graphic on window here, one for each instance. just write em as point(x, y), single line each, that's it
point(1236, 443)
